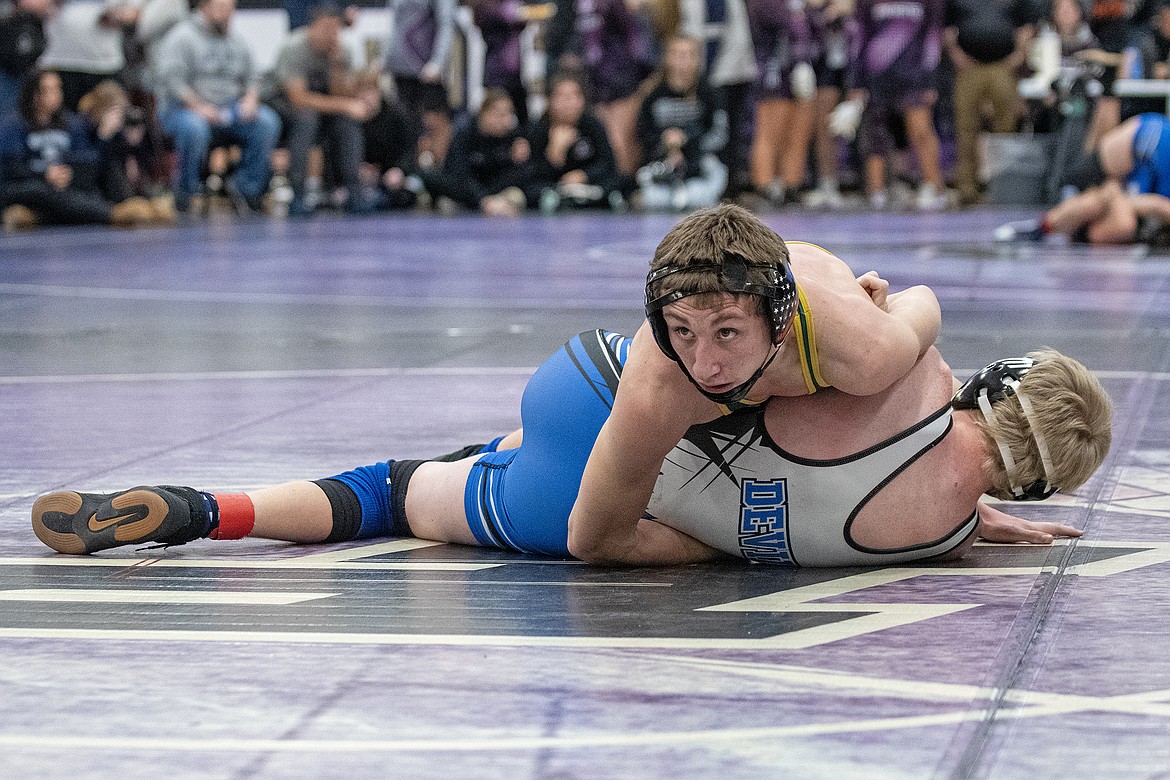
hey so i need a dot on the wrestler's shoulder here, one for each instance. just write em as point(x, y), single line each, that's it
point(810, 263)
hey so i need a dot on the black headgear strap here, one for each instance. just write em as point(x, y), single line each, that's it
point(780, 295)
point(991, 385)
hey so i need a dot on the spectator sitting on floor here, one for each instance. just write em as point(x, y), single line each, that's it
point(487, 161)
point(48, 167)
point(391, 165)
point(321, 99)
point(573, 164)
point(126, 156)
point(681, 130)
point(209, 92)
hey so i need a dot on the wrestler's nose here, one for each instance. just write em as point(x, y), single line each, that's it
point(708, 363)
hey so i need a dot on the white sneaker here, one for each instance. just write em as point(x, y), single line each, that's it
point(930, 198)
point(1020, 230)
point(879, 200)
point(825, 196)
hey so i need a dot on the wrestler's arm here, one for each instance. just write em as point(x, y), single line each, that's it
point(997, 526)
point(651, 413)
point(863, 348)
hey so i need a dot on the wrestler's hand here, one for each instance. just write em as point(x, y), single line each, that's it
point(875, 287)
point(997, 526)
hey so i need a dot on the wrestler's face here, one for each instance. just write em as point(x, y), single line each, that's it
point(721, 345)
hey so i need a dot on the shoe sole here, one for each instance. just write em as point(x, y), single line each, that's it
point(70, 503)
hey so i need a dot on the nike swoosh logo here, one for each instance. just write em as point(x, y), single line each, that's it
point(96, 525)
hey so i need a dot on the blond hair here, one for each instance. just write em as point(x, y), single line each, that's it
point(1074, 416)
point(704, 239)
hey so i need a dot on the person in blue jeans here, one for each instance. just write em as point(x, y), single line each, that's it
point(209, 94)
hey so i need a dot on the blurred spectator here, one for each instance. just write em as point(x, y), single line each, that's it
point(155, 20)
point(392, 137)
point(681, 129)
point(988, 44)
point(209, 94)
point(416, 52)
point(488, 160)
point(729, 62)
point(785, 89)
point(22, 41)
point(129, 155)
point(322, 99)
point(1148, 57)
point(300, 13)
point(501, 22)
point(833, 29)
point(1109, 22)
point(48, 167)
point(86, 44)
point(573, 164)
point(892, 71)
point(609, 49)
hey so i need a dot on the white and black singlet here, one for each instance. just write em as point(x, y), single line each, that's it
point(731, 487)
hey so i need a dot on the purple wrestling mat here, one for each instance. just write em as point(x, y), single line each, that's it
point(230, 355)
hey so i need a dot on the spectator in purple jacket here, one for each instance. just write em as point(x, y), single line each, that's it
point(894, 66)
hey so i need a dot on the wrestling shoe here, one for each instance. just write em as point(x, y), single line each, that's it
point(81, 523)
point(1020, 230)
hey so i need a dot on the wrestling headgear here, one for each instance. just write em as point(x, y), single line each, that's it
point(995, 383)
point(778, 292)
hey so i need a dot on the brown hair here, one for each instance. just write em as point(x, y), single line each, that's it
point(106, 95)
point(705, 238)
point(1074, 415)
point(491, 96)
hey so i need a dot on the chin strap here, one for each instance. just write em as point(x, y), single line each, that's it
point(1005, 454)
point(738, 393)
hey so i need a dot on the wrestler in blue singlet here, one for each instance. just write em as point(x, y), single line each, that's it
point(520, 499)
point(1151, 156)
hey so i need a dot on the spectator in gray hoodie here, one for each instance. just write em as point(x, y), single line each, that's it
point(209, 93)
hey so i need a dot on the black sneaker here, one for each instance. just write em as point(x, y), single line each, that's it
point(80, 523)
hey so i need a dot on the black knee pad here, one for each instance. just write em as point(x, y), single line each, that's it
point(347, 510)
